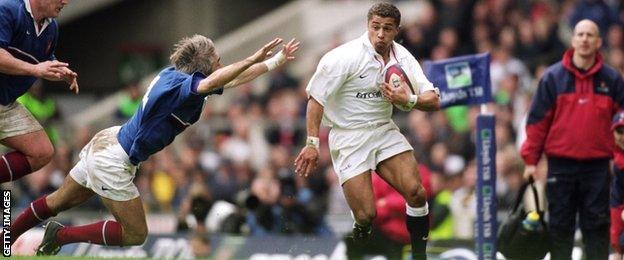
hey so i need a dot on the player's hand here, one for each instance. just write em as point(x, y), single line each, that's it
point(71, 78)
point(529, 171)
point(306, 161)
point(288, 52)
point(395, 95)
point(50, 70)
point(265, 51)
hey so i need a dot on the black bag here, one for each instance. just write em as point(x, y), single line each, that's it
point(516, 242)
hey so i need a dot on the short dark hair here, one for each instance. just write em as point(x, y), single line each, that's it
point(385, 9)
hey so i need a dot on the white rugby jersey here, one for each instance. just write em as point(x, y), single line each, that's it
point(347, 83)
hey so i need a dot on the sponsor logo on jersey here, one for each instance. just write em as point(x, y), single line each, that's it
point(367, 95)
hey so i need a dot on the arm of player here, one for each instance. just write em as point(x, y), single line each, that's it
point(50, 70)
point(284, 56)
point(307, 159)
point(428, 101)
point(226, 74)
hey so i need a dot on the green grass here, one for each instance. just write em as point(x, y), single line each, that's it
point(68, 257)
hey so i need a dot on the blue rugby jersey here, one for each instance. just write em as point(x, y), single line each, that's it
point(19, 37)
point(168, 107)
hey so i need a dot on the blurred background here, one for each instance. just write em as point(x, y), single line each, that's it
point(226, 188)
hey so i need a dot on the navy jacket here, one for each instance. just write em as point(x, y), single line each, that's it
point(570, 116)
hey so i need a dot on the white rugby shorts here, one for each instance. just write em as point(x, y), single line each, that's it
point(355, 151)
point(105, 168)
point(16, 120)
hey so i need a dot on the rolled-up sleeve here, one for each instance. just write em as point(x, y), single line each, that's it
point(420, 80)
point(417, 76)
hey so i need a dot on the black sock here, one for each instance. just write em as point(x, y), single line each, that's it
point(362, 232)
point(418, 228)
point(362, 227)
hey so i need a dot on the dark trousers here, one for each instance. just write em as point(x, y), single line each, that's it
point(578, 187)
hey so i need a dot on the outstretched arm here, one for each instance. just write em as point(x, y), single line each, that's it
point(226, 74)
point(284, 56)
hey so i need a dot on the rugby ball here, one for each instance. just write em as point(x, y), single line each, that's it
point(394, 76)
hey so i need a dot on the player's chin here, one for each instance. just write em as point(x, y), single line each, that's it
point(380, 47)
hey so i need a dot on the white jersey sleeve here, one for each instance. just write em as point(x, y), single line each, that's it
point(418, 76)
point(330, 75)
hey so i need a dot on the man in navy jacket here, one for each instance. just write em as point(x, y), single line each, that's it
point(570, 121)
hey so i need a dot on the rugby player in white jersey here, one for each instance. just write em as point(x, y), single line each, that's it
point(348, 93)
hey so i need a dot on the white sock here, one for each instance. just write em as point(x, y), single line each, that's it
point(417, 212)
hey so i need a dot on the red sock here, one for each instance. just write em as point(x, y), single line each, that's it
point(13, 166)
point(36, 213)
point(106, 233)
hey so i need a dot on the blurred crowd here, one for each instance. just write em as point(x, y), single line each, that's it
point(233, 171)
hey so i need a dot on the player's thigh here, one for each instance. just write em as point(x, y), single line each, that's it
point(129, 214)
point(401, 172)
point(358, 192)
point(21, 131)
point(69, 195)
point(33, 144)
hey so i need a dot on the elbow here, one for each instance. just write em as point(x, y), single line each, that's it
point(436, 105)
point(432, 105)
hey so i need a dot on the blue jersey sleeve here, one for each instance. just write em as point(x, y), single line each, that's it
point(197, 78)
point(7, 22)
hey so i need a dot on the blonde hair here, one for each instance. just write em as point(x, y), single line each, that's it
point(193, 54)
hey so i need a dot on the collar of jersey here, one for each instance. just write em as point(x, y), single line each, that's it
point(46, 22)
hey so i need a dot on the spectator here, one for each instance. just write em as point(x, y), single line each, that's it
point(617, 187)
point(578, 150)
point(129, 101)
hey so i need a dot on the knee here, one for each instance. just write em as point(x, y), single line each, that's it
point(134, 236)
point(416, 196)
point(364, 216)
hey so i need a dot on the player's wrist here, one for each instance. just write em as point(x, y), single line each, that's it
point(31, 69)
point(275, 61)
point(314, 142)
point(412, 101)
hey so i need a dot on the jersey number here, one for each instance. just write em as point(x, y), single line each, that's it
point(146, 96)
